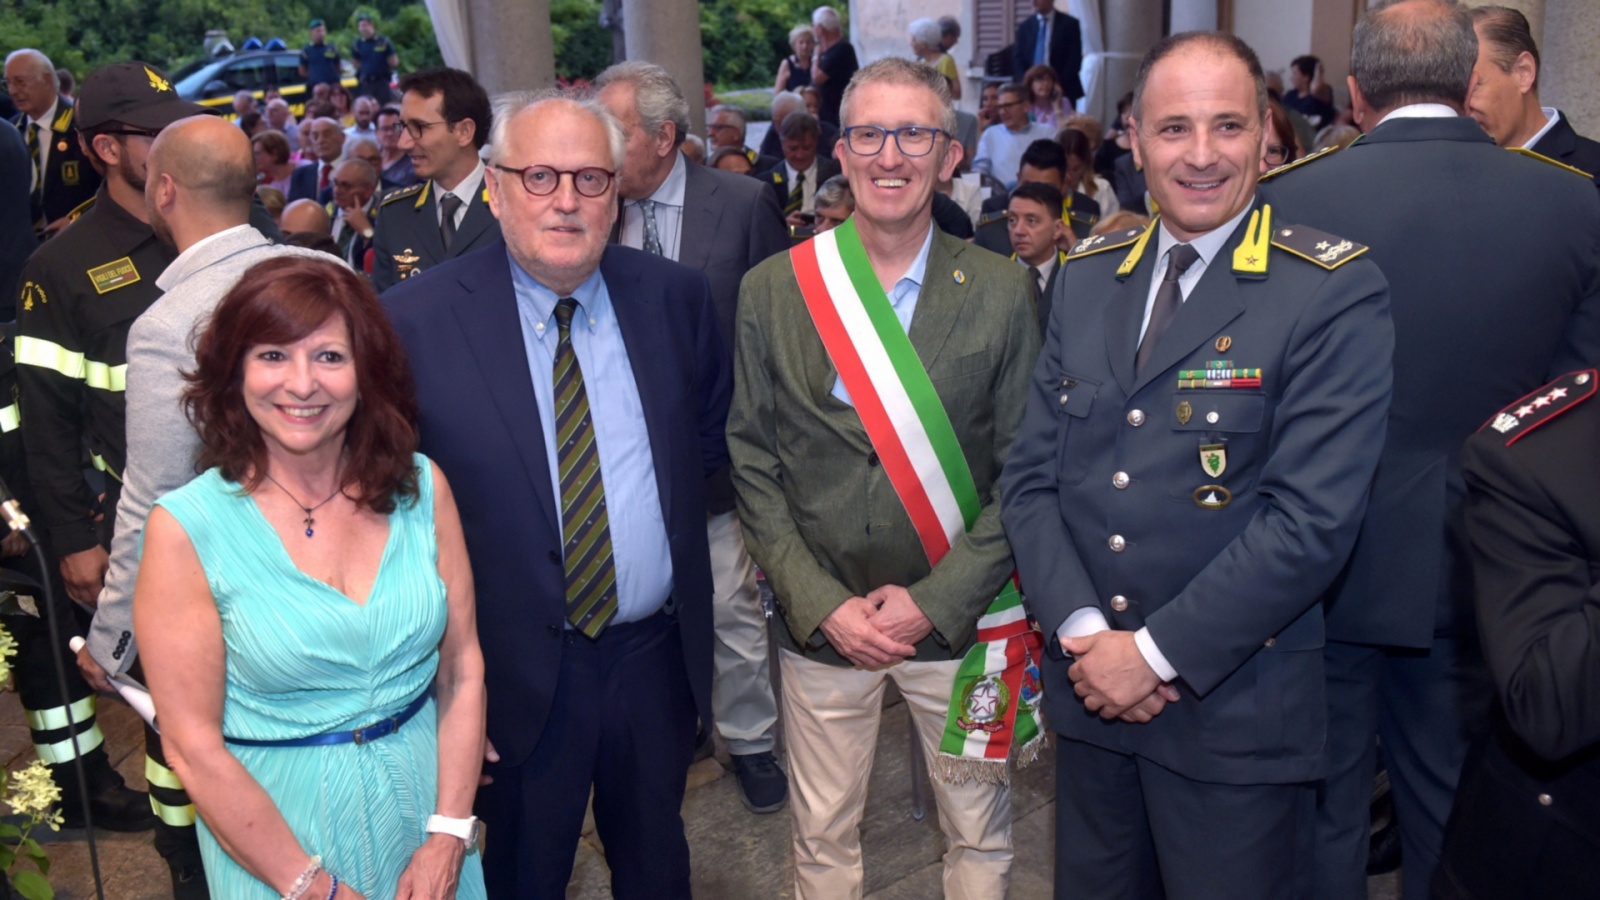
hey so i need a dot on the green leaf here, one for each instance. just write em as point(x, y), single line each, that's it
point(32, 885)
point(9, 832)
point(31, 849)
point(8, 856)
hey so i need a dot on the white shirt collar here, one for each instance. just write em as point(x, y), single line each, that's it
point(670, 193)
point(811, 171)
point(1208, 245)
point(468, 186)
point(1420, 111)
point(1551, 117)
point(49, 115)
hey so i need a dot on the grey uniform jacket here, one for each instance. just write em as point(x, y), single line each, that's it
point(1108, 502)
point(162, 446)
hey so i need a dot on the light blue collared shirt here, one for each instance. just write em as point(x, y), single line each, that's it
point(639, 543)
point(904, 300)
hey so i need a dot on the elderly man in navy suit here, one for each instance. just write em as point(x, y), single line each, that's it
point(575, 394)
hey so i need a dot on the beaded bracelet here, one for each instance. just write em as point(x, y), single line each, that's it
point(303, 883)
point(335, 889)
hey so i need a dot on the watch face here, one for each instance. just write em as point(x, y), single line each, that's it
point(474, 833)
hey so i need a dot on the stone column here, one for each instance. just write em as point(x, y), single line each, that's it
point(1132, 27)
point(1535, 11)
point(667, 32)
point(1193, 15)
point(511, 44)
point(1570, 57)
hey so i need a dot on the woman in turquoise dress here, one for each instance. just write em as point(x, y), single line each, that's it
point(305, 609)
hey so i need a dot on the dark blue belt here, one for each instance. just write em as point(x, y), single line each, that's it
point(359, 736)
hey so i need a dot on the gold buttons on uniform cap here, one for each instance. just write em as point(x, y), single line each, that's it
point(1120, 480)
point(1119, 603)
point(1546, 799)
point(1117, 544)
point(1212, 417)
point(1136, 417)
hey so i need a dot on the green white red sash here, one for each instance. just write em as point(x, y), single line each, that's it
point(994, 708)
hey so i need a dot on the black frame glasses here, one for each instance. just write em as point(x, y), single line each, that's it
point(417, 128)
point(583, 180)
point(859, 139)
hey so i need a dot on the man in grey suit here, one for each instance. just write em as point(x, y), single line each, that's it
point(1189, 477)
point(722, 224)
point(863, 600)
point(199, 187)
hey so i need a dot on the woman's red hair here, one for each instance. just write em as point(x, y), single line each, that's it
point(280, 301)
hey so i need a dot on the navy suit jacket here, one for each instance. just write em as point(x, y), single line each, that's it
point(479, 421)
point(1494, 292)
point(1066, 51)
point(1563, 144)
point(303, 182)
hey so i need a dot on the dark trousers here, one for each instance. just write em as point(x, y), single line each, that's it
point(1425, 706)
point(1128, 829)
point(622, 722)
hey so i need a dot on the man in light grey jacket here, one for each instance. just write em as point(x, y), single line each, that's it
point(199, 185)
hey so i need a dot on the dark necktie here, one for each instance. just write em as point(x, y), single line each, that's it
point(33, 154)
point(1168, 298)
point(652, 231)
point(1038, 281)
point(322, 180)
point(591, 571)
point(797, 194)
point(1041, 44)
point(448, 204)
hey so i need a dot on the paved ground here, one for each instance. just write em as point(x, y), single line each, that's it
point(737, 856)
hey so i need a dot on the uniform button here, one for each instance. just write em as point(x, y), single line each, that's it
point(1136, 417)
point(1063, 400)
point(555, 557)
point(872, 459)
point(1119, 603)
point(1117, 544)
point(1271, 642)
point(1546, 799)
point(555, 630)
point(1119, 480)
point(1212, 417)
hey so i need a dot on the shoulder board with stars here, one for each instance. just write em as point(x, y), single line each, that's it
point(1517, 420)
point(402, 193)
point(1554, 162)
point(1316, 246)
point(1286, 167)
point(1097, 243)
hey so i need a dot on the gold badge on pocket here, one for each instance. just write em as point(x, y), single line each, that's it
point(1185, 412)
point(1212, 496)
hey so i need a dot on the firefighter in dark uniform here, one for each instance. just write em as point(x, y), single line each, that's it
point(80, 294)
point(62, 177)
point(1526, 820)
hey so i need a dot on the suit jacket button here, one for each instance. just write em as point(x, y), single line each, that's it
point(872, 459)
point(1120, 480)
point(1546, 799)
point(1119, 603)
point(1117, 543)
point(1271, 642)
point(555, 557)
point(1136, 417)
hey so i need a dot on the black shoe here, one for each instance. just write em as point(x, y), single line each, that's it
point(115, 807)
point(188, 880)
point(762, 784)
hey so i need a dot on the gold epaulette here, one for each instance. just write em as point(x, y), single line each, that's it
point(1274, 173)
point(1098, 243)
point(80, 209)
point(1316, 246)
point(989, 218)
point(1554, 162)
point(401, 193)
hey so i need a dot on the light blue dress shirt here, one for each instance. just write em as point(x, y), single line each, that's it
point(627, 466)
point(904, 300)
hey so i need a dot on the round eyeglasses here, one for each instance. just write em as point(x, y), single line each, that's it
point(541, 181)
point(869, 140)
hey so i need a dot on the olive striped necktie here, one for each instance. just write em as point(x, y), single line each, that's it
point(585, 527)
point(797, 194)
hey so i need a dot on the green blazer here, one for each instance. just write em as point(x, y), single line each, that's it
point(819, 514)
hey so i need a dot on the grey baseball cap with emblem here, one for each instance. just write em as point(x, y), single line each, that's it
point(135, 94)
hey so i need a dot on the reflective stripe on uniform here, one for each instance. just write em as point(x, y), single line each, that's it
point(161, 776)
point(62, 751)
point(101, 464)
point(176, 816)
point(56, 717)
point(32, 351)
point(10, 418)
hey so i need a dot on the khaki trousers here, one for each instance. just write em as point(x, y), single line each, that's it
point(741, 692)
point(831, 716)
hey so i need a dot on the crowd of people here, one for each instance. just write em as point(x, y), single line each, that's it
point(426, 456)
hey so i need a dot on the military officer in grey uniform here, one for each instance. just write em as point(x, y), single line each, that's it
point(445, 114)
point(1191, 470)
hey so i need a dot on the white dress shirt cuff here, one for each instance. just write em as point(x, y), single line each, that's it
point(1083, 623)
point(1152, 655)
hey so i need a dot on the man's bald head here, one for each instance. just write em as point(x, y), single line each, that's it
point(305, 216)
point(211, 163)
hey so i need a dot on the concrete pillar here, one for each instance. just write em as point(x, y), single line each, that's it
point(511, 44)
point(667, 33)
point(1535, 11)
point(1193, 15)
point(1570, 57)
point(1132, 27)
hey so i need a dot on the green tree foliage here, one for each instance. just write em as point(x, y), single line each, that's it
point(745, 40)
point(583, 48)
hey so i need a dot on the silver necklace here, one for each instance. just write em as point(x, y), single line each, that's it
point(310, 520)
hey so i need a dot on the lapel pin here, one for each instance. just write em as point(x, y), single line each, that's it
point(1185, 411)
point(1212, 496)
point(959, 276)
point(1223, 343)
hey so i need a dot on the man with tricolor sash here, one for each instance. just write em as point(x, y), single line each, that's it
point(1190, 475)
point(880, 374)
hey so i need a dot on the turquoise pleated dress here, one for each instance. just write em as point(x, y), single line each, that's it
point(303, 659)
